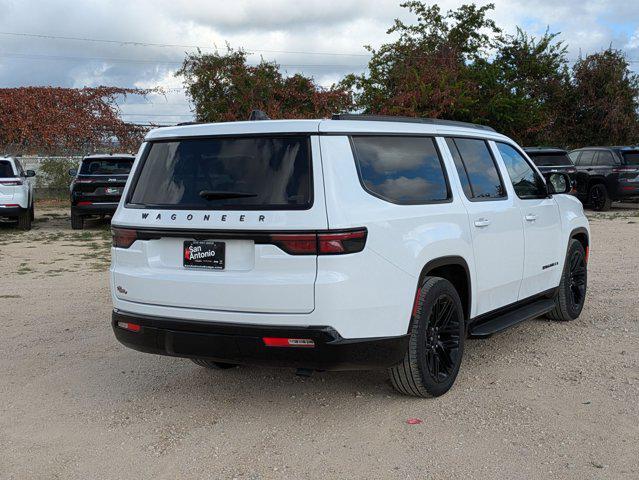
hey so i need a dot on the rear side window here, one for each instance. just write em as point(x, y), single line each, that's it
point(106, 166)
point(587, 157)
point(6, 170)
point(558, 159)
point(574, 156)
point(631, 158)
point(252, 173)
point(402, 170)
point(477, 170)
point(605, 158)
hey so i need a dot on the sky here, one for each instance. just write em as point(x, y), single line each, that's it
point(320, 38)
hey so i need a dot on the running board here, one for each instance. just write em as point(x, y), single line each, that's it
point(501, 322)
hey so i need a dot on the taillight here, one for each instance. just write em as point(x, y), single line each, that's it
point(123, 237)
point(296, 244)
point(11, 183)
point(83, 180)
point(326, 243)
point(84, 204)
point(345, 242)
point(625, 170)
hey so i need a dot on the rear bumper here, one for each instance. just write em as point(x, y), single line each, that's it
point(243, 344)
point(11, 212)
point(95, 209)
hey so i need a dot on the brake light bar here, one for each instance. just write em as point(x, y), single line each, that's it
point(625, 170)
point(10, 205)
point(84, 204)
point(337, 242)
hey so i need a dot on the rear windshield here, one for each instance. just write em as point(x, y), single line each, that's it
point(631, 158)
point(258, 173)
point(6, 170)
point(550, 159)
point(106, 166)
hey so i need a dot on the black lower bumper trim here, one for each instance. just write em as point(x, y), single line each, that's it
point(94, 209)
point(11, 212)
point(243, 344)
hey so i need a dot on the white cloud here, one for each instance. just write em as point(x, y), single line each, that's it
point(342, 26)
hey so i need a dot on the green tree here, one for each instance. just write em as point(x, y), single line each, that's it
point(223, 87)
point(425, 72)
point(604, 101)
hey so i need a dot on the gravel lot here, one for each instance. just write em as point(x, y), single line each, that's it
point(541, 400)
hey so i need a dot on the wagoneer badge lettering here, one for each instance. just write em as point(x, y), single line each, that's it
point(207, 217)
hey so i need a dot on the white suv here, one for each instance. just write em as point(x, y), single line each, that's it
point(16, 192)
point(352, 243)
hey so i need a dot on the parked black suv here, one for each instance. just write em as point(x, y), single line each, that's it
point(97, 186)
point(551, 159)
point(606, 174)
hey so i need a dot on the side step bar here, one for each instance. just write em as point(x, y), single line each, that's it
point(485, 328)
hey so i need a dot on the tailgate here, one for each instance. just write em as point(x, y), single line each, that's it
point(207, 214)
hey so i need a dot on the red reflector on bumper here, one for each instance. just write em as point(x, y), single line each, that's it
point(288, 342)
point(132, 327)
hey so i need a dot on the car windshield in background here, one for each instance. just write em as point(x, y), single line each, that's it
point(550, 159)
point(259, 173)
point(106, 166)
point(6, 170)
point(631, 158)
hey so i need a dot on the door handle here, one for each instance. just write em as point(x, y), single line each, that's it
point(482, 222)
point(530, 217)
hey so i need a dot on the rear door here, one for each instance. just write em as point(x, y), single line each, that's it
point(223, 223)
point(495, 222)
point(102, 180)
point(544, 258)
point(584, 165)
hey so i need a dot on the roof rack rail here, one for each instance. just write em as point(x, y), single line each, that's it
point(389, 118)
point(182, 124)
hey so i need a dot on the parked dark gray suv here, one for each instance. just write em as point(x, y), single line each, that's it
point(606, 174)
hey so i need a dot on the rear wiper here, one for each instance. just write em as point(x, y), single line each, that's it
point(217, 195)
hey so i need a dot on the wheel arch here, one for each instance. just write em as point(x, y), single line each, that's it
point(454, 269)
point(580, 234)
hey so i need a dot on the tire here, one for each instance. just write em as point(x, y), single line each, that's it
point(571, 294)
point(433, 358)
point(77, 222)
point(599, 198)
point(24, 220)
point(213, 365)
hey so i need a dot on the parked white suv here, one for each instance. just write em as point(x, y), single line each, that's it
point(16, 192)
point(352, 243)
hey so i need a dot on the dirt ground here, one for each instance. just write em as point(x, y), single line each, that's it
point(542, 400)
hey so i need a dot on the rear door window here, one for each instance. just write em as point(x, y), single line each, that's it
point(587, 158)
point(402, 170)
point(252, 173)
point(6, 170)
point(605, 158)
point(477, 170)
point(106, 166)
point(574, 156)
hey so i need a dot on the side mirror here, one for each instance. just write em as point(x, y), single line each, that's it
point(30, 173)
point(73, 172)
point(558, 182)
